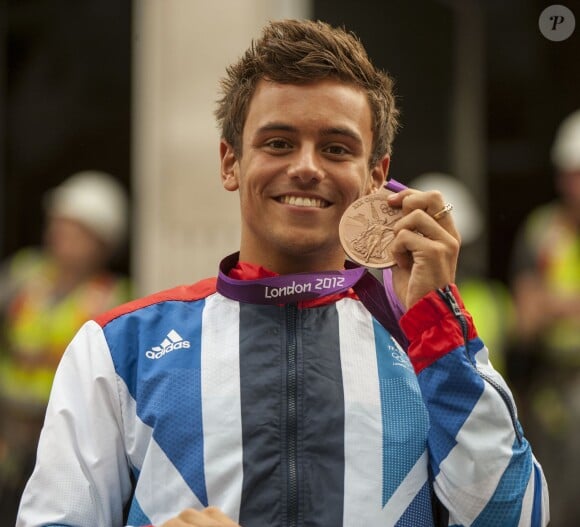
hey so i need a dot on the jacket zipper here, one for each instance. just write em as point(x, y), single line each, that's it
point(447, 295)
point(292, 415)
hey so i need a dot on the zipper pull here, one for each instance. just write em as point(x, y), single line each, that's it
point(447, 295)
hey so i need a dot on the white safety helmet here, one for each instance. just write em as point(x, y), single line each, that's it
point(94, 199)
point(566, 146)
point(466, 213)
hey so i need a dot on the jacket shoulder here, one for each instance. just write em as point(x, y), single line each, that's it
point(183, 293)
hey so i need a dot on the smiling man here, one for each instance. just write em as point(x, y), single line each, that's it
point(295, 389)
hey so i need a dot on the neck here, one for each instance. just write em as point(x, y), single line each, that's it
point(291, 264)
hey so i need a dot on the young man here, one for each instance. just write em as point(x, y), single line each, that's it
point(275, 397)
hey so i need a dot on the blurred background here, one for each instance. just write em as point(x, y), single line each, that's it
point(129, 88)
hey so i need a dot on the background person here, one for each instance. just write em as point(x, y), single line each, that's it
point(47, 293)
point(546, 286)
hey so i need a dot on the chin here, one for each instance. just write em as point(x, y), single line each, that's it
point(311, 248)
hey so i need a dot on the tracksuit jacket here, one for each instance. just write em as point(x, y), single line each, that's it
point(303, 415)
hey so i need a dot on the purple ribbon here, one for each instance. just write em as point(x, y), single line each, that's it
point(286, 289)
point(394, 185)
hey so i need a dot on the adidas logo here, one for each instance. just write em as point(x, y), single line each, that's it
point(172, 342)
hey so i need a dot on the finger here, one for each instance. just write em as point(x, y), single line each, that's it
point(418, 221)
point(419, 246)
point(216, 514)
point(431, 203)
point(184, 519)
point(410, 199)
point(425, 264)
point(447, 208)
point(209, 517)
point(435, 257)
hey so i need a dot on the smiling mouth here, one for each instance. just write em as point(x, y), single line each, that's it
point(303, 201)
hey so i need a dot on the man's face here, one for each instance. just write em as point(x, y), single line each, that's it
point(305, 155)
point(75, 248)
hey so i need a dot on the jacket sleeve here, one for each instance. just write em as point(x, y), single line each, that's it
point(81, 475)
point(482, 467)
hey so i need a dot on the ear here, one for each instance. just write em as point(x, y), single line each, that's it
point(378, 175)
point(229, 166)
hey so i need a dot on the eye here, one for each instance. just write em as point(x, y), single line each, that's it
point(278, 144)
point(336, 150)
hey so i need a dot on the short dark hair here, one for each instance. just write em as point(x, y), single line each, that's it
point(302, 51)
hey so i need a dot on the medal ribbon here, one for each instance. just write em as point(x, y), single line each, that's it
point(286, 289)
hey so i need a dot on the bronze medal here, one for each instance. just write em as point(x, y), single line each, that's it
point(366, 230)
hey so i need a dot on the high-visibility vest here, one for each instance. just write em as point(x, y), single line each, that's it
point(38, 325)
point(555, 244)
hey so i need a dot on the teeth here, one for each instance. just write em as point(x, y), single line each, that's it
point(300, 201)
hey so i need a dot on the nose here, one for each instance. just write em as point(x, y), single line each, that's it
point(305, 165)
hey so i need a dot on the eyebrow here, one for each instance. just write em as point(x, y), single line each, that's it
point(342, 130)
point(333, 130)
point(275, 126)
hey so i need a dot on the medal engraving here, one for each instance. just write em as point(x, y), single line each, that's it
point(366, 230)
